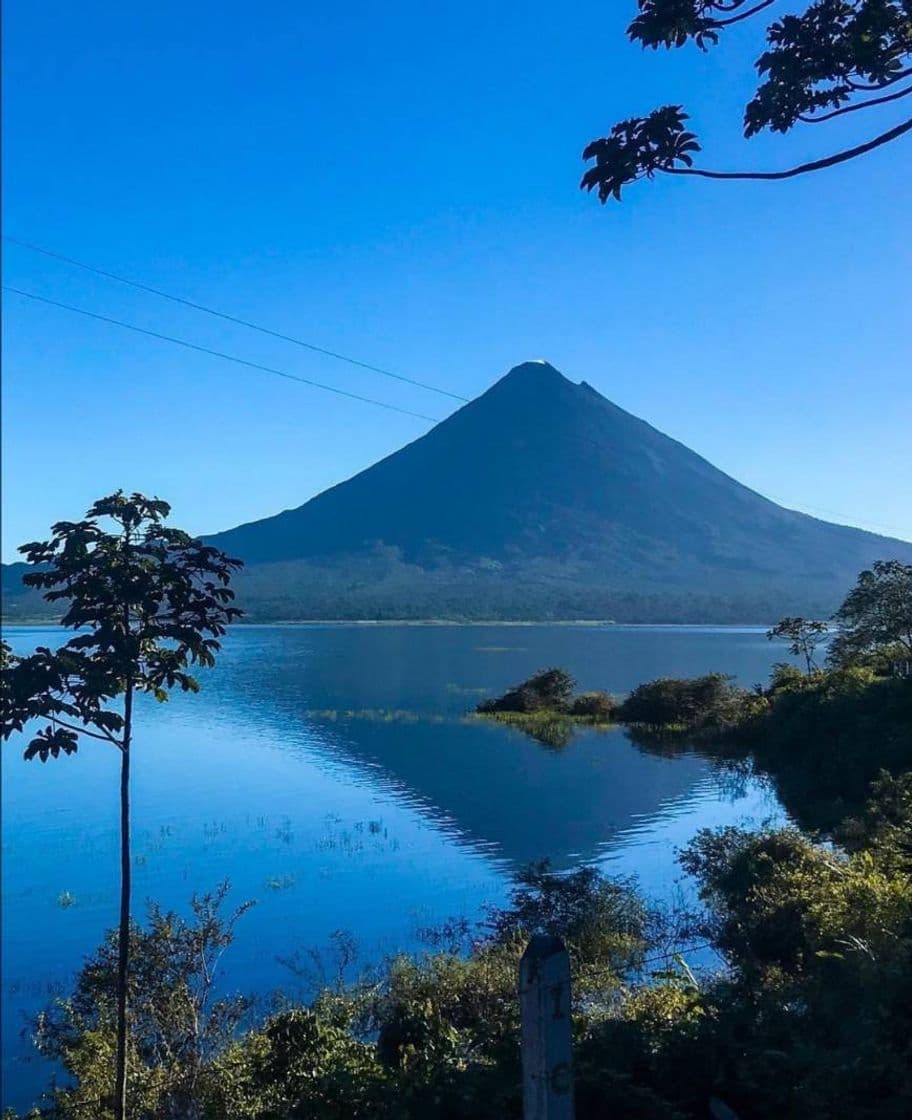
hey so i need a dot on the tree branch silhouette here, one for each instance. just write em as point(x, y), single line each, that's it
point(815, 65)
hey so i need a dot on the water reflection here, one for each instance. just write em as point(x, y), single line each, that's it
point(331, 774)
point(397, 697)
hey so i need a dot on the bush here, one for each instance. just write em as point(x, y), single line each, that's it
point(810, 1020)
point(300, 1063)
point(788, 678)
point(594, 705)
point(825, 739)
point(551, 689)
point(710, 701)
point(603, 921)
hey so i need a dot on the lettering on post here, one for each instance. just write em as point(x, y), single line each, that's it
point(544, 1002)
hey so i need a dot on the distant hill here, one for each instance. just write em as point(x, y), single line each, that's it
point(21, 603)
point(542, 499)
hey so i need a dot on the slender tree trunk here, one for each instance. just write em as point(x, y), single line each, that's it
point(123, 934)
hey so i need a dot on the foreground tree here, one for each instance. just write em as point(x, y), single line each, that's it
point(147, 602)
point(835, 58)
point(876, 616)
point(803, 636)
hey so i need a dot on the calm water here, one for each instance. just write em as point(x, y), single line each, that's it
point(283, 776)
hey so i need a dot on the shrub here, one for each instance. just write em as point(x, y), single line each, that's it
point(824, 741)
point(788, 678)
point(300, 1063)
point(603, 921)
point(811, 1019)
point(702, 702)
point(594, 705)
point(551, 689)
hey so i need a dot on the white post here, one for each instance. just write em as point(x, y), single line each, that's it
point(544, 1005)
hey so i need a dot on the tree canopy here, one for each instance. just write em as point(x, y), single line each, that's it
point(803, 636)
point(835, 58)
point(876, 616)
point(147, 601)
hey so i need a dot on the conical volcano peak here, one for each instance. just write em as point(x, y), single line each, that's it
point(542, 498)
point(531, 380)
point(536, 369)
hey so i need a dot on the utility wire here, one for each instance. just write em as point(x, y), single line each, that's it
point(218, 354)
point(230, 318)
point(841, 519)
point(871, 527)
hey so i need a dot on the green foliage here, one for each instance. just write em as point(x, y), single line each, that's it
point(178, 1024)
point(836, 57)
point(687, 705)
point(548, 690)
point(876, 616)
point(786, 678)
point(545, 709)
point(810, 1019)
point(603, 922)
point(883, 823)
point(302, 1063)
point(820, 950)
point(551, 729)
point(446, 1035)
point(803, 636)
point(598, 706)
point(821, 737)
point(824, 739)
point(148, 601)
point(437, 1036)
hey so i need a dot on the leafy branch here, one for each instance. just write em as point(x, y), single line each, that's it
point(814, 68)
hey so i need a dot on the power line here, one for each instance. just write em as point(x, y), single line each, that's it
point(842, 519)
point(230, 318)
point(218, 354)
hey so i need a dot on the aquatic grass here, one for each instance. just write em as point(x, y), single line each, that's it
point(357, 839)
point(547, 726)
point(377, 715)
point(374, 828)
point(542, 715)
point(51, 989)
point(280, 882)
point(341, 842)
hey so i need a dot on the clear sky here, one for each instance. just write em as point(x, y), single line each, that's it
point(398, 181)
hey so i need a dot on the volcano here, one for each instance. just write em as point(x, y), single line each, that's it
point(542, 499)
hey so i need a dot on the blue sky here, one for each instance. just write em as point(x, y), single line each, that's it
point(399, 182)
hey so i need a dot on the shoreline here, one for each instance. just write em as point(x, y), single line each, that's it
point(448, 622)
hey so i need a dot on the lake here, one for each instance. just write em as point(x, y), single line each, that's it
point(331, 773)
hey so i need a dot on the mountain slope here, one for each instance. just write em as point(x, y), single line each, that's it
point(542, 499)
point(543, 482)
